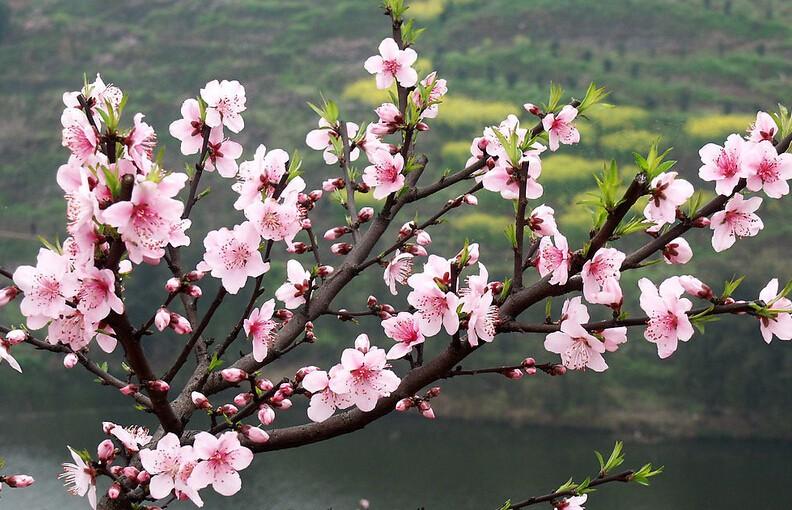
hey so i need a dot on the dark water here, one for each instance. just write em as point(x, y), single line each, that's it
point(402, 463)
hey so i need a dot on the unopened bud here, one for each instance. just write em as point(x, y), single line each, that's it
point(340, 248)
point(558, 370)
point(173, 285)
point(233, 375)
point(193, 291)
point(298, 248)
point(243, 399)
point(315, 195)
point(702, 222)
point(528, 362)
point(105, 451)
point(514, 373)
point(388, 308)
point(254, 434)
point(143, 477)
point(383, 315)
point(70, 360)
point(227, 409)
point(433, 392)
point(533, 109)
point(129, 389)
point(284, 314)
point(362, 187)
point(365, 214)
point(162, 319)
point(301, 373)
point(19, 481)
point(404, 404)
point(266, 415)
point(423, 238)
point(159, 386)
point(199, 400)
point(336, 232)
point(371, 302)
point(325, 271)
point(194, 276)
point(114, 491)
point(284, 404)
point(306, 224)
point(530, 371)
point(16, 336)
point(124, 267)
point(180, 324)
point(264, 385)
point(131, 472)
point(470, 199)
point(331, 185)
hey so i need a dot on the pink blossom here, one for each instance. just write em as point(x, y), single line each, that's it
point(274, 220)
point(150, 219)
point(393, 63)
point(162, 319)
point(140, 143)
point(79, 478)
point(233, 256)
point(166, 464)
point(385, 174)
point(677, 251)
point(612, 338)
point(189, 129)
point(554, 259)
point(695, 287)
point(292, 292)
point(404, 329)
point(5, 354)
point(46, 287)
point(390, 120)
point(97, 95)
point(78, 135)
point(398, 270)
point(667, 312)
point(780, 324)
point(768, 170)
point(578, 348)
point(96, 295)
point(364, 377)
point(573, 503)
point(262, 174)
point(438, 88)
point(542, 221)
point(482, 319)
point(435, 307)
point(667, 193)
point(72, 329)
point(736, 220)
point(223, 154)
point(601, 277)
point(764, 128)
point(221, 459)
point(132, 437)
point(324, 401)
point(724, 165)
point(560, 128)
point(260, 328)
point(322, 140)
point(503, 179)
point(225, 101)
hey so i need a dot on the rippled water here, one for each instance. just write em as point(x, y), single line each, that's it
point(403, 463)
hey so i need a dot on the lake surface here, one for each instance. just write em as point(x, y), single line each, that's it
point(403, 463)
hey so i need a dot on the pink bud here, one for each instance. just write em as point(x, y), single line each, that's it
point(143, 477)
point(423, 238)
point(315, 195)
point(362, 343)
point(301, 373)
point(388, 308)
point(286, 390)
point(200, 401)
point(426, 410)
point(194, 276)
point(530, 371)
point(340, 248)
point(254, 434)
point(365, 214)
point(470, 199)
point(194, 291)
point(264, 385)
point(162, 319)
point(228, 409)
point(514, 373)
point(433, 392)
point(325, 271)
point(19, 481)
point(558, 370)
point(129, 389)
point(336, 232)
point(266, 414)
point(131, 472)
point(173, 285)
point(285, 404)
point(364, 504)
point(404, 404)
point(16, 336)
point(415, 250)
point(233, 375)
point(243, 399)
point(159, 386)
point(362, 187)
point(406, 230)
point(298, 248)
point(371, 302)
point(533, 109)
point(180, 324)
point(70, 360)
point(306, 224)
point(7, 295)
point(383, 315)
point(283, 314)
point(106, 451)
point(114, 491)
point(702, 222)
point(528, 362)
point(331, 185)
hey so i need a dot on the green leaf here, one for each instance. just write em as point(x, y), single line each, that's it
point(556, 91)
point(730, 286)
point(215, 363)
point(594, 95)
point(295, 164)
point(511, 234)
point(506, 506)
point(646, 472)
point(112, 181)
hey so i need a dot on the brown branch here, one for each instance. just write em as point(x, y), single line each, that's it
point(519, 226)
point(350, 187)
point(625, 476)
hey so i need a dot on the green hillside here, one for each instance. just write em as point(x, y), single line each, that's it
point(687, 71)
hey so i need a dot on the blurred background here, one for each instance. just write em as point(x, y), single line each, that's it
point(717, 413)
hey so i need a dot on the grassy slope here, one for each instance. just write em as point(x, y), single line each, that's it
point(688, 70)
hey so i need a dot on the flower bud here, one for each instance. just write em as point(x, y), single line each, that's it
point(340, 248)
point(173, 285)
point(115, 470)
point(371, 302)
point(264, 385)
point(114, 491)
point(105, 451)
point(301, 373)
point(533, 109)
point(365, 214)
point(143, 477)
point(194, 276)
point(306, 224)
point(514, 373)
point(284, 404)
point(558, 370)
point(528, 362)
point(388, 308)
point(70, 360)
point(331, 185)
point(325, 271)
point(286, 390)
point(362, 187)
point(159, 386)
point(200, 401)
point(131, 472)
point(298, 248)
point(254, 434)
point(433, 392)
point(16, 336)
point(423, 238)
point(415, 250)
point(404, 404)
point(227, 409)
point(266, 415)
point(530, 371)
point(702, 222)
point(426, 410)
point(406, 230)
point(336, 232)
point(162, 319)
point(19, 481)
point(180, 324)
point(470, 199)
point(243, 399)
point(362, 343)
point(233, 375)
point(315, 196)
point(7, 295)
point(193, 291)
point(383, 315)
point(129, 389)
